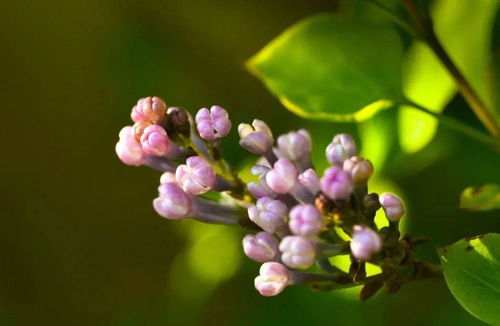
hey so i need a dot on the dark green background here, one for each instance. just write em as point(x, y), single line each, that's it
point(79, 241)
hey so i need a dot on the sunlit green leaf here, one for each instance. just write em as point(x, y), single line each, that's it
point(482, 198)
point(333, 67)
point(464, 28)
point(472, 271)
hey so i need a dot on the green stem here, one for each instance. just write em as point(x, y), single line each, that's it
point(458, 126)
point(425, 30)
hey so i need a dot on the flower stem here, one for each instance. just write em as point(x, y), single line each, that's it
point(425, 30)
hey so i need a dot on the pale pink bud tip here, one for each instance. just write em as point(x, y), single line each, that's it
point(149, 109)
point(173, 203)
point(256, 138)
point(305, 220)
point(154, 140)
point(269, 214)
point(196, 176)
point(213, 124)
point(295, 145)
point(297, 252)
point(365, 243)
point(340, 149)
point(310, 180)
point(128, 149)
point(273, 279)
point(336, 183)
point(261, 247)
point(360, 169)
point(282, 177)
point(393, 206)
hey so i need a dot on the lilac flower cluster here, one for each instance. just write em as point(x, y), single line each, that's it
point(301, 218)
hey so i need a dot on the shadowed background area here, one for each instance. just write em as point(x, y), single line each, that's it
point(80, 243)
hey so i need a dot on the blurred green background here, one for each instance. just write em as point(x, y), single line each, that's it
point(80, 243)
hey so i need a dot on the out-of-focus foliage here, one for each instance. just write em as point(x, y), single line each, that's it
point(333, 67)
point(464, 28)
point(481, 198)
point(472, 271)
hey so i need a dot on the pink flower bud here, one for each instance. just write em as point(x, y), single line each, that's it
point(154, 141)
point(150, 109)
point(365, 243)
point(393, 206)
point(282, 177)
point(269, 214)
point(196, 177)
point(360, 169)
point(273, 279)
point(128, 149)
point(310, 180)
point(261, 247)
point(305, 220)
point(336, 183)
point(340, 149)
point(295, 145)
point(260, 190)
point(297, 252)
point(257, 138)
point(168, 177)
point(173, 203)
point(213, 124)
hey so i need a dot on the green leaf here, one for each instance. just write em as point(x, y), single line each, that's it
point(464, 27)
point(333, 67)
point(482, 198)
point(472, 271)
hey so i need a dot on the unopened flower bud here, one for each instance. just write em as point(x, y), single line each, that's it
point(173, 203)
point(261, 247)
point(305, 220)
point(259, 190)
point(310, 180)
point(360, 169)
point(168, 177)
point(196, 177)
point(128, 148)
point(393, 206)
point(256, 138)
point(151, 109)
point(365, 243)
point(282, 177)
point(340, 149)
point(336, 184)
point(273, 279)
point(297, 252)
point(178, 120)
point(371, 202)
point(154, 140)
point(139, 128)
point(269, 214)
point(295, 145)
point(213, 124)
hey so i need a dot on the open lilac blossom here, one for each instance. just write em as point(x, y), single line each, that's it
point(365, 243)
point(261, 247)
point(273, 279)
point(392, 205)
point(297, 252)
point(336, 184)
point(269, 214)
point(340, 149)
point(256, 138)
point(294, 216)
point(213, 124)
point(305, 220)
point(196, 177)
point(282, 178)
point(150, 109)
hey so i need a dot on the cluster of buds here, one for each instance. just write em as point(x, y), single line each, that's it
point(301, 218)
